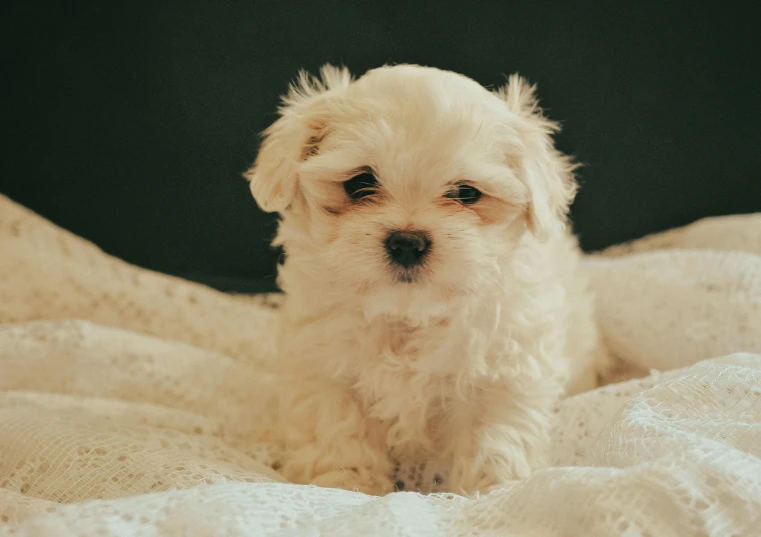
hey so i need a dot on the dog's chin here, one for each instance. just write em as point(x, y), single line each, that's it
point(411, 298)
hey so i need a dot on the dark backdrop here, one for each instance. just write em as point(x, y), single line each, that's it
point(130, 124)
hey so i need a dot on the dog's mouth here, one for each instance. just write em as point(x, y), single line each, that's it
point(407, 275)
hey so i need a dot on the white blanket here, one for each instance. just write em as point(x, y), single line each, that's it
point(131, 404)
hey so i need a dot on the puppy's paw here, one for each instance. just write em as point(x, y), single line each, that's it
point(483, 483)
point(483, 475)
point(362, 480)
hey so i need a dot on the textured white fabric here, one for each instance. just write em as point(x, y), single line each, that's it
point(132, 403)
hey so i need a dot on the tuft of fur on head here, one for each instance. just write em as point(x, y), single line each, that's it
point(307, 86)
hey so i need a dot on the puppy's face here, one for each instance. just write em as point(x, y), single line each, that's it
point(410, 182)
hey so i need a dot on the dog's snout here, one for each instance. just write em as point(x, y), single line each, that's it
point(407, 248)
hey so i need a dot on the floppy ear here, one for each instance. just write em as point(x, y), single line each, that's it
point(292, 138)
point(546, 173)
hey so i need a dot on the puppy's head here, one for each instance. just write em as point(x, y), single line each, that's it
point(410, 180)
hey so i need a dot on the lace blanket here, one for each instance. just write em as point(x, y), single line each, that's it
point(133, 403)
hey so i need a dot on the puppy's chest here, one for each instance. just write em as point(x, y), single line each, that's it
point(409, 372)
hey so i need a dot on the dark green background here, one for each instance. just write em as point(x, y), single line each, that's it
point(130, 124)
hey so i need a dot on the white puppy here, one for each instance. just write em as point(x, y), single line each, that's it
point(433, 299)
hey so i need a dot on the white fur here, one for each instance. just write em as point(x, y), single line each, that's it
point(466, 361)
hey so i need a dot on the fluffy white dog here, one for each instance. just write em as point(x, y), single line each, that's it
point(434, 303)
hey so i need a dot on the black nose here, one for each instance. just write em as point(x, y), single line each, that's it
point(407, 248)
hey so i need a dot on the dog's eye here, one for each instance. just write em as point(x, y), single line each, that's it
point(465, 194)
point(361, 186)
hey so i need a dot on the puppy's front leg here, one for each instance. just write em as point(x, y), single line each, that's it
point(502, 435)
point(329, 442)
